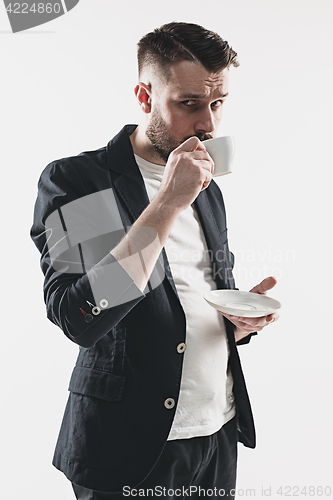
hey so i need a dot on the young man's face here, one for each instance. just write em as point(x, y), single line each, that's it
point(188, 104)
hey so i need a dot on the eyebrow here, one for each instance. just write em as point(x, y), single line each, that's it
point(201, 96)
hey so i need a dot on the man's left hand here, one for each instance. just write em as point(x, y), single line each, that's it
point(245, 326)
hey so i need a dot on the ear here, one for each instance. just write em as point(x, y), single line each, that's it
point(143, 95)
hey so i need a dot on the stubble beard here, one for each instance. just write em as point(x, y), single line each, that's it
point(161, 139)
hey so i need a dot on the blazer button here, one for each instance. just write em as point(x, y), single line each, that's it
point(104, 303)
point(169, 403)
point(181, 347)
point(96, 310)
point(88, 318)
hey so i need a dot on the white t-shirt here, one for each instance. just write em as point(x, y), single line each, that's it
point(206, 401)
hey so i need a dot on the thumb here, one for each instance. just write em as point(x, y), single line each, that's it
point(191, 144)
point(265, 285)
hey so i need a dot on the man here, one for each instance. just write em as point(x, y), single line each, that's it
point(157, 398)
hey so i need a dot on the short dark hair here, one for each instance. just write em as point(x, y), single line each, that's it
point(185, 41)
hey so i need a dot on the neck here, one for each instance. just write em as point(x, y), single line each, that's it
point(142, 146)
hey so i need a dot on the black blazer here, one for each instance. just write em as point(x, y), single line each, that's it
point(116, 423)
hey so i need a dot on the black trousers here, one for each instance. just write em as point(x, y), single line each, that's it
point(187, 468)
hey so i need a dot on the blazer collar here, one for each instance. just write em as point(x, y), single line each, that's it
point(126, 176)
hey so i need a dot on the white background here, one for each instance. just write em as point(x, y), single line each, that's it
point(67, 87)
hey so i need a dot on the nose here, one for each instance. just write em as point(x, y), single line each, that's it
point(205, 123)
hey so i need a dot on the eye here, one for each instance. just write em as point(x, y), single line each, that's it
point(217, 104)
point(189, 102)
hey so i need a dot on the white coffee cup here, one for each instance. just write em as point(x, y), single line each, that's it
point(222, 150)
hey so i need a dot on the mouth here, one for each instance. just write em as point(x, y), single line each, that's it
point(201, 137)
point(205, 137)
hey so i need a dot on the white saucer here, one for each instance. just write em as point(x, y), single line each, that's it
point(244, 304)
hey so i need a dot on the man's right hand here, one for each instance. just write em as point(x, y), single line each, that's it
point(188, 171)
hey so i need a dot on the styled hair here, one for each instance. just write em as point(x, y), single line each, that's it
point(177, 41)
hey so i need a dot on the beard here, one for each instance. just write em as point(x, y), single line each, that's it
point(162, 140)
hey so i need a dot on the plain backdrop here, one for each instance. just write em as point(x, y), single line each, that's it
point(67, 87)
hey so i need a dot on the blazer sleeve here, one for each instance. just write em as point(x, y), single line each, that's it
point(86, 291)
point(246, 339)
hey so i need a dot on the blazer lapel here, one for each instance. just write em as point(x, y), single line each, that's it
point(212, 232)
point(126, 177)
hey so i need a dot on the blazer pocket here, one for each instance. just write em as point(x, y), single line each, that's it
point(97, 384)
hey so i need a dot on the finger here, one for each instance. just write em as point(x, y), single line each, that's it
point(202, 156)
point(191, 144)
point(260, 324)
point(251, 325)
point(230, 317)
point(206, 183)
point(272, 317)
point(207, 166)
point(265, 285)
point(248, 324)
point(256, 323)
point(238, 319)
